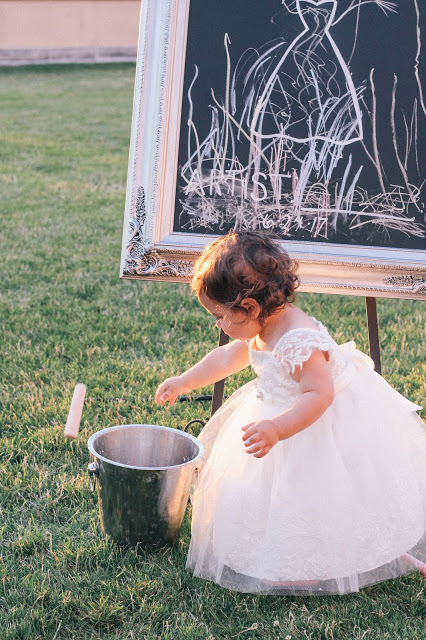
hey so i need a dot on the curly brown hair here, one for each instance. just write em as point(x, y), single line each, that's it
point(246, 264)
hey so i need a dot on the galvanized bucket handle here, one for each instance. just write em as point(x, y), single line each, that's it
point(201, 422)
point(93, 471)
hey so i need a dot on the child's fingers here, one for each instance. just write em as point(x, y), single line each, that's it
point(167, 396)
point(162, 394)
point(256, 447)
point(259, 449)
point(159, 397)
point(160, 391)
point(254, 443)
point(245, 429)
point(260, 454)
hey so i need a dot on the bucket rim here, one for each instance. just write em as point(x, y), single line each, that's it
point(98, 456)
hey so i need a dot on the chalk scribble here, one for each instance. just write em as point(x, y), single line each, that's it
point(279, 151)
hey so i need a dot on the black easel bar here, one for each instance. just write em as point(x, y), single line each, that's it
point(373, 333)
point(220, 385)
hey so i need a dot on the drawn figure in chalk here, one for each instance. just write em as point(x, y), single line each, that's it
point(307, 93)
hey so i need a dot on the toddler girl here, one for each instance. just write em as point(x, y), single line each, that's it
point(314, 478)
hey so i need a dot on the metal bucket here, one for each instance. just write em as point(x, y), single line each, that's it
point(144, 473)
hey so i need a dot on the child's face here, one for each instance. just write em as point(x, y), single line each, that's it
point(236, 324)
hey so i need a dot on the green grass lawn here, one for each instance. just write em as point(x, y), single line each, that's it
point(67, 318)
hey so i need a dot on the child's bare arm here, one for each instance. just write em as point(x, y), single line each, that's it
point(219, 363)
point(317, 389)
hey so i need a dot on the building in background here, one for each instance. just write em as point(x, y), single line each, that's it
point(38, 31)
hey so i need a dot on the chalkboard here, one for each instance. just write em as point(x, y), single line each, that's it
point(303, 117)
point(299, 118)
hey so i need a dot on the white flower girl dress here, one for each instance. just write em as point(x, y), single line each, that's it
point(334, 508)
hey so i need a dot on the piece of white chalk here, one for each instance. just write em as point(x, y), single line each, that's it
point(74, 416)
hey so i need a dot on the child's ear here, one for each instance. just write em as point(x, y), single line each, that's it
point(252, 307)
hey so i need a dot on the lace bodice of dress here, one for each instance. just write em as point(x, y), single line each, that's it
point(295, 347)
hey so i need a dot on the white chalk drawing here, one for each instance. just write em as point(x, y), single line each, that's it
point(322, 99)
point(279, 153)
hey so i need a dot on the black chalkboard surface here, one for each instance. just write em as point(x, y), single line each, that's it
point(307, 118)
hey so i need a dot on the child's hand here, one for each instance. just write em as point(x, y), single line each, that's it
point(260, 437)
point(169, 390)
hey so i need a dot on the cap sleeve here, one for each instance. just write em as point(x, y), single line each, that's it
point(296, 347)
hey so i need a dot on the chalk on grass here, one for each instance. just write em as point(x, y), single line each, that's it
point(74, 416)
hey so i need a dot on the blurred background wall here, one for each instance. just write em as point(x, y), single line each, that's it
point(67, 30)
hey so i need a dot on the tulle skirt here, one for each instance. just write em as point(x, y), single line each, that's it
point(336, 507)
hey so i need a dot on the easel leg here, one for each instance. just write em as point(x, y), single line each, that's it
point(219, 386)
point(373, 333)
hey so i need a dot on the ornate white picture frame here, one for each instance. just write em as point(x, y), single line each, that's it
point(157, 246)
